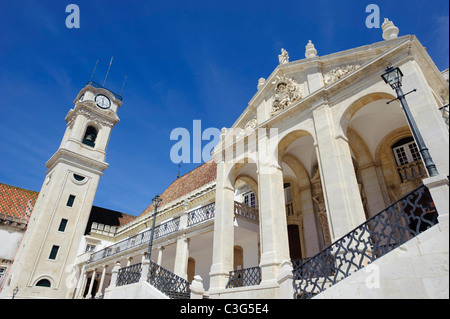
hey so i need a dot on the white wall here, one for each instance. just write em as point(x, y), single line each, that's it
point(10, 241)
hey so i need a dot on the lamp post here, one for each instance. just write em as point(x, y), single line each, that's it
point(156, 202)
point(393, 77)
point(15, 291)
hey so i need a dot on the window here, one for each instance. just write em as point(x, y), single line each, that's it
point(287, 192)
point(62, 225)
point(89, 248)
point(250, 199)
point(43, 283)
point(70, 200)
point(54, 252)
point(405, 151)
point(2, 273)
point(90, 136)
point(78, 177)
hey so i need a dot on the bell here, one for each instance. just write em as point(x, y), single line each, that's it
point(91, 138)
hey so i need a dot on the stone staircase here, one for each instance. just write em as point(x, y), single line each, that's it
point(387, 231)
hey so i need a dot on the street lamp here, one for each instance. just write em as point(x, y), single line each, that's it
point(15, 291)
point(393, 77)
point(156, 202)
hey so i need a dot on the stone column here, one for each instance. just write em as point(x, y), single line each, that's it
point(114, 274)
point(160, 255)
point(82, 283)
point(129, 259)
point(100, 288)
point(89, 294)
point(344, 207)
point(272, 211)
point(181, 256)
point(223, 244)
point(427, 116)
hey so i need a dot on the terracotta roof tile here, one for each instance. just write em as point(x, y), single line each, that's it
point(16, 202)
point(187, 183)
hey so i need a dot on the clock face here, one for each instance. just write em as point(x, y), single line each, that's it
point(102, 101)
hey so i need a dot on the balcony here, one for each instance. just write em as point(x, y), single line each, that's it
point(171, 227)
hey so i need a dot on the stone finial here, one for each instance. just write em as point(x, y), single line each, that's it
point(390, 31)
point(311, 51)
point(261, 82)
point(283, 57)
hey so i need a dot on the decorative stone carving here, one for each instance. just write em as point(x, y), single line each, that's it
point(390, 31)
point(250, 125)
point(338, 73)
point(287, 92)
point(261, 82)
point(320, 208)
point(283, 57)
point(310, 51)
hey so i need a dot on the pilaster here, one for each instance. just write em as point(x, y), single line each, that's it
point(345, 210)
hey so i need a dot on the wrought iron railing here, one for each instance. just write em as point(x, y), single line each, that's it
point(168, 283)
point(396, 224)
point(129, 275)
point(244, 277)
point(161, 230)
point(201, 214)
point(96, 85)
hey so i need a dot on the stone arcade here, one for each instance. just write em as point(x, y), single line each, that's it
point(319, 154)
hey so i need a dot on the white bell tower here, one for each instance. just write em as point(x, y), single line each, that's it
point(43, 267)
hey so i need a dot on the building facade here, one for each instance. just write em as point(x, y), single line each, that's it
point(317, 157)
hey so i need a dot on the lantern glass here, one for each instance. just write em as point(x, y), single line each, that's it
point(393, 77)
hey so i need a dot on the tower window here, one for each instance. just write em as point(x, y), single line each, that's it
point(54, 252)
point(70, 200)
point(90, 136)
point(62, 225)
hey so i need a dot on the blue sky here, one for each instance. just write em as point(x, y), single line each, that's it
point(184, 60)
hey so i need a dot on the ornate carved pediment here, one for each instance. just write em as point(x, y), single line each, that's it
point(250, 125)
point(287, 92)
point(338, 73)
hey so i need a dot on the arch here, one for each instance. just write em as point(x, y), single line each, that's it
point(90, 135)
point(238, 258)
point(384, 157)
point(288, 139)
point(44, 281)
point(249, 181)
point(358, 104)
point(191, 269)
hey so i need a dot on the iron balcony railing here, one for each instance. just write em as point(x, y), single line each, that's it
point(195, 217)
point(201, 214)
point(168, 283)
point(129, 275)
point(244, 277)
point(396, 224)
point(161, 230)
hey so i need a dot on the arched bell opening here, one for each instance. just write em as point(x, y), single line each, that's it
point(90, 136)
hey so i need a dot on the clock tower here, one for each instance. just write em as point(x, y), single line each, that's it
point(43, 267)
